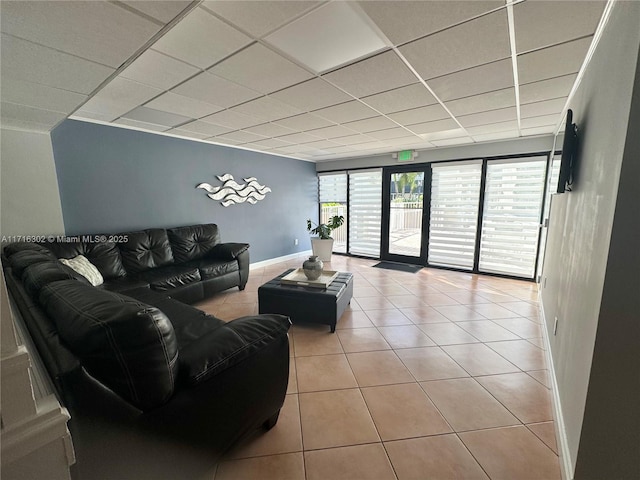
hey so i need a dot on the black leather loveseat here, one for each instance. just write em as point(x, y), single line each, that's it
point(156, 388)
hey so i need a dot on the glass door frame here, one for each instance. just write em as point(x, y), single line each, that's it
point(387, 172)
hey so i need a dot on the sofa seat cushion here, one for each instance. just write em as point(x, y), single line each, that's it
point(129, 346)
point(193, 242)
point(174, 276)
point(124, 285)
point(210, 268)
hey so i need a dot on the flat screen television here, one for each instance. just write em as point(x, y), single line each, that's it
point(569, 147)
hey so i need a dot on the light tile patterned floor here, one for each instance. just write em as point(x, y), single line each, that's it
point(436, 374)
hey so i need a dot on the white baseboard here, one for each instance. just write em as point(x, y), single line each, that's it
point(564, 456)
point(273, 261)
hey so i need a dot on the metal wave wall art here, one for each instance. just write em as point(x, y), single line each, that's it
point(231, 192)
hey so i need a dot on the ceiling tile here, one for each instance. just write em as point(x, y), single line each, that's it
point(408, 20)
point(125, 93)
point(290, 149)
point(445, 134)
point(485, 101)
point(259, 17)
point(341, 149)
point(158, 70)
point(144, 125)
point(547, 89)
point(452, 142)
point(329, 36)
point(23, 92)
point(541, 121)
point(201, 39)
point(97, 31)
point(311, 95)
point(186, 133)
point(24, 60)
point(420, 115)
point(391, 133)
point(215, 90)
point(260, 69)
point(543, 130)
point(149, 115)
point(371, 124)
point(267, 108)
point(346, 112)
point(306, 121)
point(181, 105)
point(164, 10)
point(83, 114)
point(375, 74)
point(402, 98)
point(241, 137)
point(333, 131)
point(232, 120)
point(544, 23)
point(489, 137)
point(30, 114)
point(321, 144)
point(553, 61)
point(437, 126)
point(270, 130)
point(546, 107)
point(482, 79)
point(270, 143)
point(354, 139)
point(205, 128)
point(510, 126)
point(299, 138)
point(474, 43)
point(484, 118)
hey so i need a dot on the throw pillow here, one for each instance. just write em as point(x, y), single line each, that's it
point(85, 268)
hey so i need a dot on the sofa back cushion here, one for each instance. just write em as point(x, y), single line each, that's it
point(103, 254)
point(19, 261)
point(36, 276)
point(16, 247)
point(193, 242)
point(129, 346)
point(145, 250)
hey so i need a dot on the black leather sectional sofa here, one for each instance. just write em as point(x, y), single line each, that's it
point(156, 388)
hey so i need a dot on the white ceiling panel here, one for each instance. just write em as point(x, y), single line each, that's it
point(22, 92)
point(402, 98)
point(259, 17)
point(149, 115)
point(121, 91)
point(437, 126)
point(547, 89)
point(490, 137)
point(97, 31)
point(260, 69)
point(544, 130)
point(509, 126)
point(267, 108)
point(215, 90)
point(483, 102)
point(158, 70)
point(477, 42)
point(83, 114)
point(322, 144)
point(329, 36)
point(408, 20)
point(346, 112)
point(188, 134)
point(24, 60)
point(354, 139)
point(333, 131)
point(161, 10)
point(541, 121)
point(311, 95)
point(269, 143)
point(445, 134)
point(543, 23)
point(371, 124)
point(232, 120)
point(299, 138)
point(306, 121)
point(142, 125)
point(242, 137)
point(482, 79)
point(547, 107)
point(553, 61)
point(375, 74)
point(270, 130)
point(485, 118)
point(11, 111)
point(181, 105)
point(208, 129)
point(448, 142)
point(420, 115)
point(201, 39)
point(391, 133)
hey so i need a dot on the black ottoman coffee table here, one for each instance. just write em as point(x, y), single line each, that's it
point(307, 304)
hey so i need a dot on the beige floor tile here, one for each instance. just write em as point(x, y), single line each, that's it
point(440, 457)
point(385, 318)
point(541, 376)
point(512, 453)
point(316, 342)
point(284, 437)
point(335, 418)
point(360, 292)
point(459, 313)
point(447, 333)
point(521, 353)
point(375, 303)
point(378, 368)
point(362, 340)
point(522, 327)
point(405, 336)
point(324, 372)
point(292, 386)
point(468, 298)
point(522, 395)
point(498, 297)
point(487, 331)
point(403, 411)
point(424, 314)
point(545, 432)
point(524, 309)
point(392, 289)
point(358, 462)
point(538, 342)
point(492, 311)
point(437, 299)
point(354, 319)
point(478, 359)
point(466, 405)
point(405, 301)
point(430, 363)
point(289, 466)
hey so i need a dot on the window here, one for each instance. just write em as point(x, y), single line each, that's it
point(333, 201)
point(365, 212)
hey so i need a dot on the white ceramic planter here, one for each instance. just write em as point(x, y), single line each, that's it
point(322, 248)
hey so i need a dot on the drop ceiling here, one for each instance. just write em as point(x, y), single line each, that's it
point(311, 80)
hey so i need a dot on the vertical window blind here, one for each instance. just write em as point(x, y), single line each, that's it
point(332, 192)
point(365, 212)
point(455, 194)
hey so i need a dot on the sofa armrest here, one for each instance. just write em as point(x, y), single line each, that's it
point(227, 251)
point(228, 345)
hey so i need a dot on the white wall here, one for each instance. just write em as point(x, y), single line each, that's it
point(29, 197)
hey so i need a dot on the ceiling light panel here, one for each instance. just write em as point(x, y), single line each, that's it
point(375, 74)
point(201, 39)
point(408, 20)
point(267, 108)
point(181, 105)
point(327, 37)
point(483, 40)
point(547, 89)
point(541, 24)
point(420, 115)
point(158, 70)
point(215, 90)
point(97, 31)
point(346, 112)
point(402, 98)
point(306, 121)
point(311, 95)
point(149, 115)
point(552, 62)
point(260, 69)
point(485, 101)
point(232, 120)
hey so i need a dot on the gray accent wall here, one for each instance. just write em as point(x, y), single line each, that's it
point(592, 264)
point(116, 180)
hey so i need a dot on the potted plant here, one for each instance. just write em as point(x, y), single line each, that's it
point(322, 245)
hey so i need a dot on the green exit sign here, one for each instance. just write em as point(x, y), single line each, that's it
point(405, 155)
